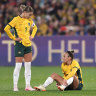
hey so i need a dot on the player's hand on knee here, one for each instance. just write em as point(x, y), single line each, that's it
point(57, 84)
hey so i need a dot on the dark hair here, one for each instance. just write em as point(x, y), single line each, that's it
point(26, 8)
point(71, 54)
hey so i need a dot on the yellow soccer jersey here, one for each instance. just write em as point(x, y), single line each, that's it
point(22, 29)
point(71, 70)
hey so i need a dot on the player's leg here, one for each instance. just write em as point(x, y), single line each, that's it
point(27, 64)
point(66, 84)
point(49, 81)
point(60, 81)
point(28, 57)
point(18, 58)
point(16, 72)
point(76, 85)
point(57, 78)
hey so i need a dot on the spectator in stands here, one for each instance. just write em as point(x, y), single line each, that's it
point(92, 28)
point(60, 13)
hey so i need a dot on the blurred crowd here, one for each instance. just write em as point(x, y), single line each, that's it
point(54, 17)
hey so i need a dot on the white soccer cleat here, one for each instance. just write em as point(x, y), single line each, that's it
point(15, 89)
point(30, 89)
point(61, 87)
point(40, 88)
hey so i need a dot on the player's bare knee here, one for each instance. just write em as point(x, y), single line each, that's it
point(75, 78)
point(54, 75)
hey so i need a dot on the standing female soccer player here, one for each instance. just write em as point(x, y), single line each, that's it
point(22, 38)
point(72, 79)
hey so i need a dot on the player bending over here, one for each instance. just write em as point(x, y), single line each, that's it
point(72, 79)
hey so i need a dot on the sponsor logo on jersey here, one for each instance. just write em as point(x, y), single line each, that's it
point(19, 52)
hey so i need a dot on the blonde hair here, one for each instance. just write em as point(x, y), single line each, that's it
point(26, 8)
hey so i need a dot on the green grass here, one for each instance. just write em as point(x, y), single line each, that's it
point(39, 75)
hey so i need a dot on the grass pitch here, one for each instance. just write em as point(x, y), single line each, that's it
point(39, 75)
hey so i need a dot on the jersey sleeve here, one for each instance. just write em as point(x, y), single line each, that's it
point(34, 27)
point(71, 74)
point(13, 22)
point(9, 26)
point(7, 30)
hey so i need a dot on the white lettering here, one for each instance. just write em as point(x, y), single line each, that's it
point(9, 43)
point(84, 59)
point(50, 50)
point(70, 43)
point(35, 51)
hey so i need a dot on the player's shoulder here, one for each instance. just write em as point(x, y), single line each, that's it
point(75, 63)
point(63, 64)
point(30, 19)
point(15, 18)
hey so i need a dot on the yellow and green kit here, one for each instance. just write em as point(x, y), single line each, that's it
point(22, 28)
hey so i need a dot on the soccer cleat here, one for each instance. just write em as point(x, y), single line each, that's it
point(15, 89)
point(40, 88)
point(29, 89)
point(61, 87)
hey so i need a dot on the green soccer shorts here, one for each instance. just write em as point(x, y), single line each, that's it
point(20, 49)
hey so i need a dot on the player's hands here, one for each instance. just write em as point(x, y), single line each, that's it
point(18, 39)
point(65, 82)
point(30, 37)
point(57, 84)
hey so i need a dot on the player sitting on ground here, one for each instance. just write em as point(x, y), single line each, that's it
point(72, 79)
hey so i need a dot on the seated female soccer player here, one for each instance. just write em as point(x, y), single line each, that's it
point(72, 79)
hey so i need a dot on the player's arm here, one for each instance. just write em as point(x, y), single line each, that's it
point(7, 30)
point(34, 27)
point(8, 27)
point(72, 73)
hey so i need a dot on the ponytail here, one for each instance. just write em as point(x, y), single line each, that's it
point(71, 54)
point(72, 51)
